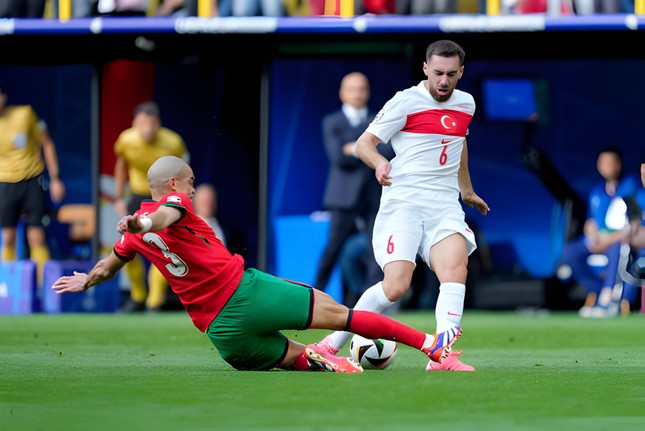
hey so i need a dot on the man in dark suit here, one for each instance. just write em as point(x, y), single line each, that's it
point(352, 193)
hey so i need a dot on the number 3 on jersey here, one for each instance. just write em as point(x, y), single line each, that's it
point(177, 267)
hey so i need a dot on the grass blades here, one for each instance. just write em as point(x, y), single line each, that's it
point(537, 371)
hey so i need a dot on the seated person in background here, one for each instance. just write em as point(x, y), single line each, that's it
point(606, 226)
point(631, 272)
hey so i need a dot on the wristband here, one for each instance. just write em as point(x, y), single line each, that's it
point(146, 223)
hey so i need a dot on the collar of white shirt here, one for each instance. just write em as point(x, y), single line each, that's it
point(354, 116)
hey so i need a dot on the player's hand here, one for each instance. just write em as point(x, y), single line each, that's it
point(129, 223)
point(474, 201)
point(56, 190)
point(72, 283)
point(382, 173)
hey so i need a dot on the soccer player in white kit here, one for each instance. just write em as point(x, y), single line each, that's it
point(420, 210)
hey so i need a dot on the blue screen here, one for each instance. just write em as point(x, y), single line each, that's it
point(509, 99)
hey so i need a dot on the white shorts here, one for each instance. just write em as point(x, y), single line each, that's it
point(401, 231)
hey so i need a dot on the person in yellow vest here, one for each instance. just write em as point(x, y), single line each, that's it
point(24, 141)
point(137, 148)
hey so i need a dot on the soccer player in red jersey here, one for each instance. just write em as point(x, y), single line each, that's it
point(241, 311)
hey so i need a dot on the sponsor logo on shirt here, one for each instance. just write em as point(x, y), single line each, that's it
point(173, 199)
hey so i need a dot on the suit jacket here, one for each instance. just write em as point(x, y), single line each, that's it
point(350, 181)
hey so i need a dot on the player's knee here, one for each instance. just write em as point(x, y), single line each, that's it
point(395, 288)
point(457, 273)
point(460, 272)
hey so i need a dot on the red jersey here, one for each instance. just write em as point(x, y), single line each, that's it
point(199, 269)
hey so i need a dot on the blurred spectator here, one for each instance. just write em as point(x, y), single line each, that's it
point(631, 270)
point(318, 7)
point(22, 8)
point(80, 8)
point(541, 6)
point(22, 183)
point(578, 7)
point(605, 229)
point(298, 7)
point(425, 7)
point(137, 148)
point(377, 7)
point(258, 8)
point(123, 7)
point(225, 7)
point(590, 7)
point(205, 206)
point(186, 8)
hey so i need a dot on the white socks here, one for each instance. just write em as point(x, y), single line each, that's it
point(450, 305)
point(373, 299)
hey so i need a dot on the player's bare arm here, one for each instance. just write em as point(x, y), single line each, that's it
point(104, 270)
point(468, 195)
point(366, 150)
point(120, 178)
point(158, 220)
point(56, 187)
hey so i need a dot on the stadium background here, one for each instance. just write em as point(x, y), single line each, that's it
point(248, 98)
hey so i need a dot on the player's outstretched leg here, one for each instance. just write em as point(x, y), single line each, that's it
point(320, 357)
point(439, 351)
point(372, 325)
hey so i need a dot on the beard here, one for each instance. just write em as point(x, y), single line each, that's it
point(440, 97)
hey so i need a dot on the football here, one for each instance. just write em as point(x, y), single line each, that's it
point(372, 354)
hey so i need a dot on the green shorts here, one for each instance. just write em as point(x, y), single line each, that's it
point(246, 332)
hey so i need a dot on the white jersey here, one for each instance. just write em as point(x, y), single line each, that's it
point(422, 206)
point(427, 137)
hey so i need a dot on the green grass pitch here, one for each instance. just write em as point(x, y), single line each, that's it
point(550, 372)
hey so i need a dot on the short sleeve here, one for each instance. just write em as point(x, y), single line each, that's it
point(390, 119)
